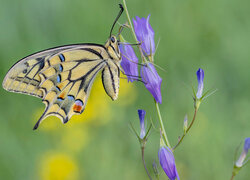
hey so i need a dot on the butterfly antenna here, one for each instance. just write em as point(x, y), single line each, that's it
point(116, 19)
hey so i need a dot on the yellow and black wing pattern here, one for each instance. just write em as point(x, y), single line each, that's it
point(61, 76)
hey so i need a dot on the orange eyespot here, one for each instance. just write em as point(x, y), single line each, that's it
point(62, 95)
point(78, 106)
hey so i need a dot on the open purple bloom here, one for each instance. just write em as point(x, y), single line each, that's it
point(167, 163)
point(152, 81)
point(200, 77)
point(141, 114)
point(129, 61)
point(145, 34)
point(243, 155)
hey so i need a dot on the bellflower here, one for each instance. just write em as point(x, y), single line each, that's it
point(145, 34)
point(167, 162)
point(243, 155)
point(129, 61)
point(141, 114)
point(152, 81)
point(200, 77)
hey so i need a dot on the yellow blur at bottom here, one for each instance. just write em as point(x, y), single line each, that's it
point(58, 166)
point(73, 137)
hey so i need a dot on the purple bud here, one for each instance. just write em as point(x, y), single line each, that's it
point(243, 155)
point(155, 168)
point(145, 34)
point(141, 114)
point(167, 163)
point(247, 145)
point(200, 77)
point(129, 61)
point(152, 81)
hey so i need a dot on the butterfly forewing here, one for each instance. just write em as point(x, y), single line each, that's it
point(23, 76)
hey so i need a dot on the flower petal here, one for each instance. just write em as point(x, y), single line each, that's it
point(152, 81)
point(167, 163)
point(129, 62)
point(145, 34)
point(247, 145)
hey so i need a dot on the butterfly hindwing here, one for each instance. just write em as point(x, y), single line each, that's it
point(111, 78)
point(66, 82)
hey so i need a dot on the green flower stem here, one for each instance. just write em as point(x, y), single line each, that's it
point(143, 160)
point(164, 135)
point(129, 21)
point(195, 112)
point(232, 177)
point(132, 28)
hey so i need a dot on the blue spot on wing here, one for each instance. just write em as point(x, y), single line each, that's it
point(60, 68)
point(79, 102)
point(70, 97)
point(62, 58)
point(59, 78)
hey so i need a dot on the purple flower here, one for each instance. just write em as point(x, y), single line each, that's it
point(243, 155)
point(145, 34)
point(167, 163)
point(152, 81)
point(129, 61)
point(200, 77)
point(141, 114)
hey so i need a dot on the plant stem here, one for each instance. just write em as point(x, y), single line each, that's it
point(194, 116)
point(162, 125)
point(143, 160)
point(129, 21)
point(232, 177)
point(132, 29)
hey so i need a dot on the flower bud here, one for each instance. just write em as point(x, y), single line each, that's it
point(200, 78)
point(129, 61)
point(167, 162)
point(240, 162)
point(152, 81)
point(141, 114)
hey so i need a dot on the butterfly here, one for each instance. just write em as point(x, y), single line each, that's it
point(63, 76)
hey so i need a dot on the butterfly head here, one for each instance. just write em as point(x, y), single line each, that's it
point(112, 46)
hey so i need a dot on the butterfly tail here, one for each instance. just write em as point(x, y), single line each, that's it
point(37, 124)
point(39, 121)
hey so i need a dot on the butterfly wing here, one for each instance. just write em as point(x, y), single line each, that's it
point(63, 78)
point(23, 76)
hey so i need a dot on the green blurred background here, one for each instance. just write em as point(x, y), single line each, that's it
point(213, 35)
